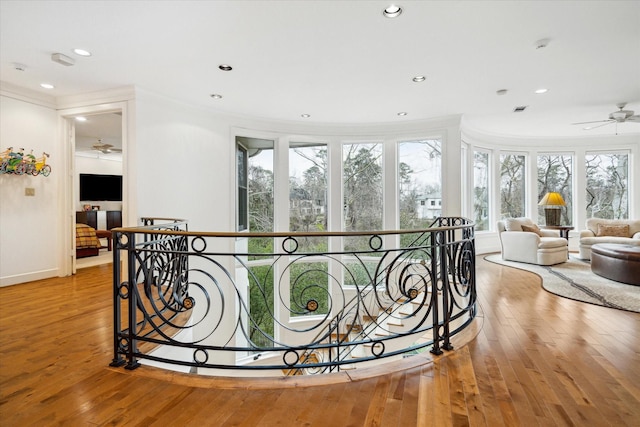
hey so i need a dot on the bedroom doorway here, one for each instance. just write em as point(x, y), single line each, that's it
point(101, 132)
point(97, 182)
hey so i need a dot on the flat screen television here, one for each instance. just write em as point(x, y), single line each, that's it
point(100, 187)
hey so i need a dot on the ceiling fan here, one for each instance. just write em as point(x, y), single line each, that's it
point(619, 116)
point(105, 148)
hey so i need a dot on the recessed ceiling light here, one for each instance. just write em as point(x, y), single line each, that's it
point(225, 67)
point(47, 85)
point(419, 78)
point(19, 67)
point(216, 96)
point(392, 11)
point(81, 119)
point(542, 90)
point(519, 109)
point(306, 116)
point(402, 113)
point(501, 92)
point(81, 52)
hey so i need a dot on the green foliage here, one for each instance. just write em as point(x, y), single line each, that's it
point(261, 303)
point(361, 274)
point(309, 281)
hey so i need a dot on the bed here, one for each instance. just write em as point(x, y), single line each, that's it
point(87, 243)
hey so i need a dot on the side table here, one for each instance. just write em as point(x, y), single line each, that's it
point(563, 229)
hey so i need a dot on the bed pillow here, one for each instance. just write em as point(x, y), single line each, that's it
point(613, 230)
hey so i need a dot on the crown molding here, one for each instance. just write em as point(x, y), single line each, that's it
point(27, 95)
point(126, 93)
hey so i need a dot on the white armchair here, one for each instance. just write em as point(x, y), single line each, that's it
point(523, 241)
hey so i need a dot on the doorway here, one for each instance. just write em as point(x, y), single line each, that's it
point(97, 181)
point(105, 124)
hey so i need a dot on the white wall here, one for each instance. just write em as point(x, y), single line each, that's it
point(28, 224)
point(183, 167)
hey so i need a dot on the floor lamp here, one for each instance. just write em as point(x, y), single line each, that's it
point(552, 203)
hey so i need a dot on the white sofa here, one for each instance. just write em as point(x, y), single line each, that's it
point(542, 247)
point(591, 236)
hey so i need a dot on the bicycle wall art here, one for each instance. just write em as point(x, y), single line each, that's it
point(18, 163)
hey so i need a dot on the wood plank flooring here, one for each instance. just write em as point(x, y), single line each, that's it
point(538, 360)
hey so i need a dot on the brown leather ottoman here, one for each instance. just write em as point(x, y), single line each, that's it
point(616, 262)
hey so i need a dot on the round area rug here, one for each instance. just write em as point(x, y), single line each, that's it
point(573, 279)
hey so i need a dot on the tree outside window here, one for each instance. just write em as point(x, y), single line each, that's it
point(362, 187)
point(307, 187)
point(512, 186)
point(362, 203)
point(607, 185)
point(555, 175)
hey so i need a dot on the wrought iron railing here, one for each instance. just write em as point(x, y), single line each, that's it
point(321, 302)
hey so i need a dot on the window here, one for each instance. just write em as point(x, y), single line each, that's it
point(419, 183)
point(307, 187)
point(481, 190)
point(254, 163)
point(308, 281)
point(512, 186)
point(607, 185)
point(242, 219)
point(362, 187)
point(254, 167)
point(362, 207)
point(555, 175)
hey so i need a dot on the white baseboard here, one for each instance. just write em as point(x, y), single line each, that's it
point(28, 277)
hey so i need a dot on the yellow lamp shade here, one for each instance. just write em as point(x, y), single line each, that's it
point(552, 199)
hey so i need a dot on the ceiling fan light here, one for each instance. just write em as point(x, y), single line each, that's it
point(619, 115)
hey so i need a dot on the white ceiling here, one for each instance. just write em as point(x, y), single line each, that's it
point(343, 61)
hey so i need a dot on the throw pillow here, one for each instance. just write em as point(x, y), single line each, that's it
point(532, 229)
point(515, 224)
point(613, 230)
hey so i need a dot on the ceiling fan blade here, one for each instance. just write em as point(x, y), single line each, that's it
point(635, 119)
point(598, 126)
point(597, 121)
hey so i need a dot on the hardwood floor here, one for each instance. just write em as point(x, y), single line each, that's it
point(538, 360)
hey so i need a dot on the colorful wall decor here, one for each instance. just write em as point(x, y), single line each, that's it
point(18, 163)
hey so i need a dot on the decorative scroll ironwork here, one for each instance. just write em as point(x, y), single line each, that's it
point(184, 298)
